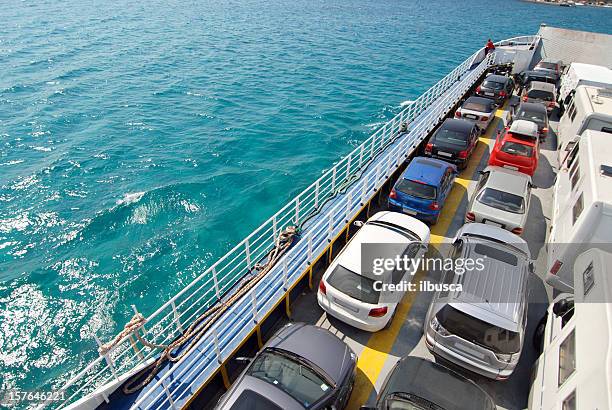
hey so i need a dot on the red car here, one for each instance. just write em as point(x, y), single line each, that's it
point(517, 148)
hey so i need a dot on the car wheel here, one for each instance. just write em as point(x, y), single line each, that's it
point(538, 335)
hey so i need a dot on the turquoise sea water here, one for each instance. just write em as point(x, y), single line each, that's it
point(139, 142)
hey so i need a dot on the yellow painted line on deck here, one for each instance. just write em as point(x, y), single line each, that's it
point(375, 353)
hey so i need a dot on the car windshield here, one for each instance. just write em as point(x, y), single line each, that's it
point(502, 200)
point(249, 400)
point(514, 148)
point(405, 401)
point(534, 116)
point(493, 84)
point(291, 374)
point(476, 106)
point(452, 137)
point(540, 95)
point(547, 66)
point(354, 285)
point(416, 189)
point(477, 331)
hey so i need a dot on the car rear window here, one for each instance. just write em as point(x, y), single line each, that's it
point(534, 116)
point(493, 84)
point(540, 95)
point(354, 285)
point(480, 107)
point(452, 137)
point(477, 331)
point(548, 66)
point(496, 253)
point(416, 189)
point(514, 148)
point(502, 200)
point(289, 373)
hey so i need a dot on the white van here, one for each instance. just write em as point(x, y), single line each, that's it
point(574, 370)
point(582, 206)
point(584, 74)
point(589, 109)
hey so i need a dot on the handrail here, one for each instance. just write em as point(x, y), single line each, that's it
point(370, 163)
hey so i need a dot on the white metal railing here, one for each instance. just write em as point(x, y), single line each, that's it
point(350, 182)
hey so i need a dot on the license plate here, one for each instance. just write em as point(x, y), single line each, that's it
point(445, 154)
point(493, 223)
point(471, 116)
point(511, 167)
point(409, 211)
point(490, 94)
point(346, 305)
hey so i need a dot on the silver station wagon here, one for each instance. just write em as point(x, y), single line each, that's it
point(481, 325)
point(501, 198)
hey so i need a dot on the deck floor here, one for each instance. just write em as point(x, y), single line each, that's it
point(378, 352)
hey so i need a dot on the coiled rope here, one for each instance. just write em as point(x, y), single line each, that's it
point(201, 324)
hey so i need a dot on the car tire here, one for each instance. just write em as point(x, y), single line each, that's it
point(538, 334)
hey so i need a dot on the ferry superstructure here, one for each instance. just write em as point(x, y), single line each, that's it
point(182, 354)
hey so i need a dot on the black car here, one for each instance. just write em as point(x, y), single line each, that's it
point(497, 87)
point(527, 77)
point(301, 367)
point(454, 141)
point(535, 113)
point(416, 383)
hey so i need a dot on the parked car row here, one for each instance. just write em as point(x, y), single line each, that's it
point(305, 366)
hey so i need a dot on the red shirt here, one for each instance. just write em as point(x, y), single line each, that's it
point(490, 45)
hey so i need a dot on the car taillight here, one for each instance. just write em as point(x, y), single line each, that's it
point(502, 94)
point(434, 206)
point(463, 154)
point(484, 118)
point(524, 98)
point(556, 266)
point(517, 231)
point(544, 130)
point(470, 216)
point(428, 148)
point(478, 89)
point(322, 287)
point(457, 114)
point(378, 312)
point(551, 104)
point(393, 194)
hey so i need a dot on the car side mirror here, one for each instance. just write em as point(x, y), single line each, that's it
point(358, 224)
point(243, 359)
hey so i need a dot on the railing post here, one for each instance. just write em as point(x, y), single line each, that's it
point(348, 167)
point(109, 360)
point(361, 156)
point(372, 146)
point(316, 198)
point(377, 176)
point(177, 319)
point(364, 187)
point(309, 249)
point(254, 306)
point(330, 226)
point(274, 228)
point(285, 274)
point(217, 348)
point(348, 206)
point(247, 251)
point(333, 183)
point(297, 210)
point(165, 386)
point(216, 282)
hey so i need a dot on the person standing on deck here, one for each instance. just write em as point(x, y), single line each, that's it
point(489, 47)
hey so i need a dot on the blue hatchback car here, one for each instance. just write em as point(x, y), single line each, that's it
point(423, 188)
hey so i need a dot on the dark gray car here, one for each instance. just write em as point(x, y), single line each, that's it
point(496, 87)
point(533, 112)
point(301, 367)
point(454, 141)
point(416, 383)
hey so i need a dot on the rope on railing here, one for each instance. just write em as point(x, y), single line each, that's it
point(202, 323)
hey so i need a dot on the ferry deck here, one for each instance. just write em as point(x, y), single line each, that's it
point(378, 352)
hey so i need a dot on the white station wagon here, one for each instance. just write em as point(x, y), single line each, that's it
point(354, 295)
